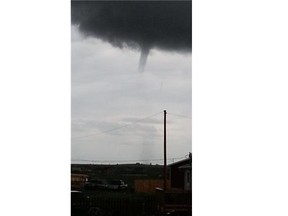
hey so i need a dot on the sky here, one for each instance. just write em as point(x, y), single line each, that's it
point(240, 118)
point(124, 77)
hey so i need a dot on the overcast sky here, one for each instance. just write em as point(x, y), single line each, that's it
point(117, 110)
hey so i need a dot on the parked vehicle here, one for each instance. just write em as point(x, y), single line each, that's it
point(95, 184)
point(116, 185)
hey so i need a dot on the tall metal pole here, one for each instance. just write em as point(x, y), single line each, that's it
point(165, 165)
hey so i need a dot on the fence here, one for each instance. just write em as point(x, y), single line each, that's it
point(178, 202)
point(148, 185)
point(119, 204)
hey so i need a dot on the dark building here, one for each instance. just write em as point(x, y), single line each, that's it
point(180, 174)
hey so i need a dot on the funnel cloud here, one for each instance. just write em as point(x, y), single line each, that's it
point(140, 25)
point(143, 58)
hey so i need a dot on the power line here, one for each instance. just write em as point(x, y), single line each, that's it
point(183, 116)
point(116, 128)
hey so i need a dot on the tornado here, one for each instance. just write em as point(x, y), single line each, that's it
point(138, 25)
point(143, 58)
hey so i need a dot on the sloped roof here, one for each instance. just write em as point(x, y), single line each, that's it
point(187, 160)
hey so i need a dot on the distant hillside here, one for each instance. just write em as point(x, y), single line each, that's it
point(126, 172)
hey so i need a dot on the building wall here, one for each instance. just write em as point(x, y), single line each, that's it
point(187, 180)
point(148, 185)
point(178, 176)
point(78, 180)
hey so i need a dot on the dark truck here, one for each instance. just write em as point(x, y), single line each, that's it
point(116, 185)
point(95, 184)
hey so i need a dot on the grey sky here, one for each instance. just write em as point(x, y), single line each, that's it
point(108, 92)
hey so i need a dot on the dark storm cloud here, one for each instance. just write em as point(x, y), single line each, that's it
point(142, 25)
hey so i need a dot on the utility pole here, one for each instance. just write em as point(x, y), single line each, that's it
point(165, 165)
